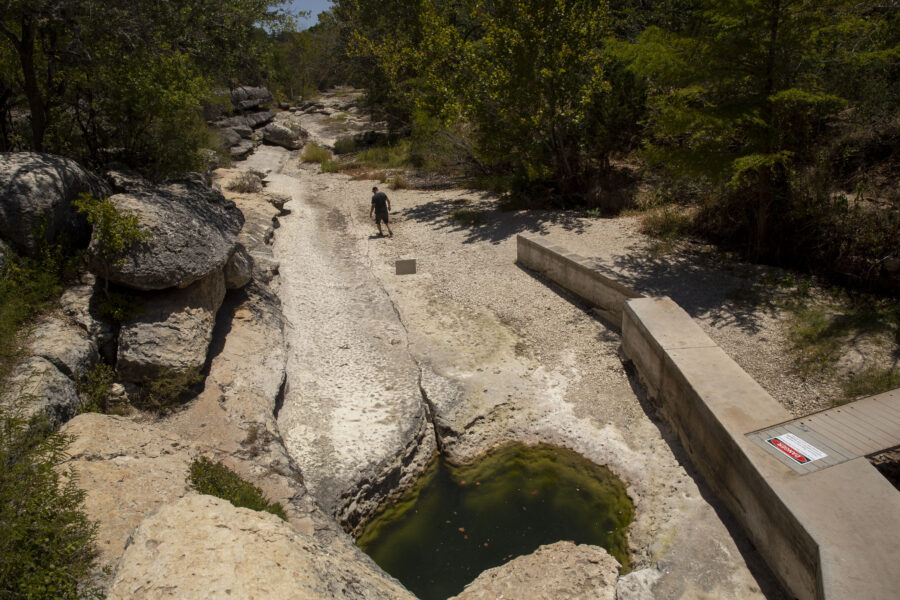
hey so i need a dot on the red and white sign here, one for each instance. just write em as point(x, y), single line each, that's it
point(797, 449)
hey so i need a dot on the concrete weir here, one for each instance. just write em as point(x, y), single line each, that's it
point(829, 534)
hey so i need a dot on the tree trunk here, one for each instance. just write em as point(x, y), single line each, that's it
point(32, 88)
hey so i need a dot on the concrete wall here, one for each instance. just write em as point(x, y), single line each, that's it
point(833, 533)
point(576, 274)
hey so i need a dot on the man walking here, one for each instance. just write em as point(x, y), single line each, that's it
point(381, 205)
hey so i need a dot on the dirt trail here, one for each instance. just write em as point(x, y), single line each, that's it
point(479, 347)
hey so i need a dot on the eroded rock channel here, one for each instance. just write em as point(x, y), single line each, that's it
point(469, 354)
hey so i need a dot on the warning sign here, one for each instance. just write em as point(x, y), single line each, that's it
point(799, 450)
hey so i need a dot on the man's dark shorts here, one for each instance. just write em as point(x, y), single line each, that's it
point(381, 217)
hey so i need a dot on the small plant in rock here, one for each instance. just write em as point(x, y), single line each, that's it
point(344, 145)
point(467, 216)
point(246, 182)
point(215, 479)
point(315, 153)
point(330, 166)
point(47, 543)
point(115, 230)
point(94, 387)
point(164, 392)
point(398, 182)
point(119, 307)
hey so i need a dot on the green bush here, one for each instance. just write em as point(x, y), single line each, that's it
point(398, 182)
point(120, 306)
point(315, 153)
point(330, 166)
point(94, 386)
point(26, 288)
point(246, 182)
point(164, 391)
point(46, 542)
point(467, 216)
point(343, 145)
point(215, 479)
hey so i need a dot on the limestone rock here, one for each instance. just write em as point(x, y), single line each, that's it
point(277, 200)
point(203, 547)
point(79, 303)
point(250, 120)
point(122, 179)
point(279, 134)
point(265, 266)
point(65, 345)
point(38, 188)
point(193, 231)
point(246, 97)
point(243, 131)
point(36, 386)
point(555, 572)
point(242, 149)
point(229, 136)
point(172, 332)
point(128, 469)
point(238, 269)
point(637, 585)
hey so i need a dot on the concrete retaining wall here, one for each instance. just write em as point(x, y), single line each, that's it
point(576, 274)
point(833, 533)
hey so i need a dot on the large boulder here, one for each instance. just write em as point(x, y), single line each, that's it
point(242, 149)
point(560, 571)
point(192, 233)
point(36, 387)
point(203, 547)
point(246, 97)
point(279, 134)
point(64, 344)
point(36, 191)
point(172, 332)
point(128, 469)
point(251, 120)
point(230, 137)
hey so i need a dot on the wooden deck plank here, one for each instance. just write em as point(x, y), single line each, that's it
point(849, 421)
point(835, 433)
point(885, 418)
point(871, 414)
point(852, 419)
point(851, 428)
point(889, 411)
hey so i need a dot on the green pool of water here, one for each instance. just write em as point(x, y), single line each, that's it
point(458, 521)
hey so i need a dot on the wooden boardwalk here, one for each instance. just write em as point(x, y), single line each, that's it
point(820, 440)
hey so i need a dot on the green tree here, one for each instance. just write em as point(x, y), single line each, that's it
point(741, 96)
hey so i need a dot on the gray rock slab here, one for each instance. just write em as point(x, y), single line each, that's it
point(560, 571)
point(282, 135)
point(192, 233)
point(64, 344)
point(241, 149)
point(36, 189)
point(203, 547)
point(37, 387)
point(128, 469)
point(172, 332)
point(246, 97)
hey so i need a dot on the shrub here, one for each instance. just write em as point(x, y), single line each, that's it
point(119, 306)
point(246, 182)
point(467, 216)
point(330, 166)
point(163, 392)
point(345, 144)
point(94, 386)
point(315, 153)
point(398, 182)
point(26, 287)
point(215, 479)
point(115, 230)
point(46, 541)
